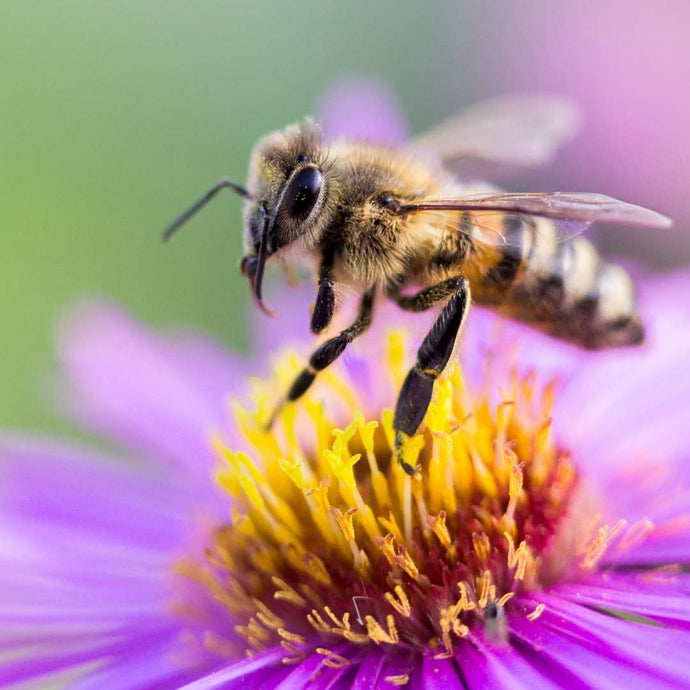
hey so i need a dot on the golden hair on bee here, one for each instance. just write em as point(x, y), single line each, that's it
point(390, 221)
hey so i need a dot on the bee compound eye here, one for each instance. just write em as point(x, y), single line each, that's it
point(303, 192)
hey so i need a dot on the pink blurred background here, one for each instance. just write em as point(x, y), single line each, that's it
point(627, 65)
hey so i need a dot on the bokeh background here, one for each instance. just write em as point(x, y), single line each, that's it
point(114, 115)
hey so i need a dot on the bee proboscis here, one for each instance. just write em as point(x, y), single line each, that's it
point(385, 221)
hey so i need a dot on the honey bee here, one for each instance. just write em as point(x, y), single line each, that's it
point(386, 221)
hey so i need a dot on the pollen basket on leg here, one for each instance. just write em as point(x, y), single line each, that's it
point(330, 540)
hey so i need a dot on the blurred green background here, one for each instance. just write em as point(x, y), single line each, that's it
point(115, 115)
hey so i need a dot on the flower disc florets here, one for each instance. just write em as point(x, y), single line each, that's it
point(330, 540)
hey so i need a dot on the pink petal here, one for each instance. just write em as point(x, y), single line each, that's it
point(627, 404)
point(486, 665)
point(159, 395)
point(602, 649)
point(369, 671)
point(241, 672)
point(651, 600)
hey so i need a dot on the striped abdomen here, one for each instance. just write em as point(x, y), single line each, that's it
point(563, 288)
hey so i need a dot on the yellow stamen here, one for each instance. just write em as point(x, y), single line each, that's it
point(378, 634)
point(316, 568)
point(291, 637)
point(600, 543)
point(402, 604)
point(287, 593)
point(332, 659)
point(464, 604)
point(439, 528)
point(297, 656)
point(317, 622)
point(484, 589)
point(266, 616)
point(536, 613)
point(329, 538)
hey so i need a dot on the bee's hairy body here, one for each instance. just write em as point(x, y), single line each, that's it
point(394, 224)
point(561, 287)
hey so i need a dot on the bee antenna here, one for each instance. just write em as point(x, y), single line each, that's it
point(201, 202)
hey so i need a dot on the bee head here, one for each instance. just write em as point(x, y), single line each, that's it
point(288, 183)
point(285, 199)
point(288, 186)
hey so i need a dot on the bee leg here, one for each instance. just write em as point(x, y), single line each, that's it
point(325, 299)
point(328, 352)
point(427, 298)
point(433, 357)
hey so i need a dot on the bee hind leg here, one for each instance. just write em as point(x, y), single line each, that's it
point(433, 357)
point(327, 353)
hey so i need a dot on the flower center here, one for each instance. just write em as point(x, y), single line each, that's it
point(330, 540)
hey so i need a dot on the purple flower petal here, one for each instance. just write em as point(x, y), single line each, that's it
point(358, 108)
point(603, 649)
point(485, 665)
point(651, 600)
point(544, 649)
point(300, 675)
point(144, 667)
point(291, 325)
point(136, 647)
point(440, 674)
point(657, 494)
point(239, 674)
point(656, 552)
point(87, 547)
point(397, 664)
point(369, 671)
point(160, 396)
point(80, 490)
point(641, 393)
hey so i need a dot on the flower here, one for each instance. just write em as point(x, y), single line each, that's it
point(152, 576)
point(546, 543)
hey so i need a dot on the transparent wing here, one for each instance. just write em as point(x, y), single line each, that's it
point(500, 136)
point(570, 212)
point(489, 227)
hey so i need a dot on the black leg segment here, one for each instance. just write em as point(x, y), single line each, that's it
point(427, 298)
point(433, 357)
point(328, 352)
point(325, 298)
point(324, 306)
point(301, 384)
